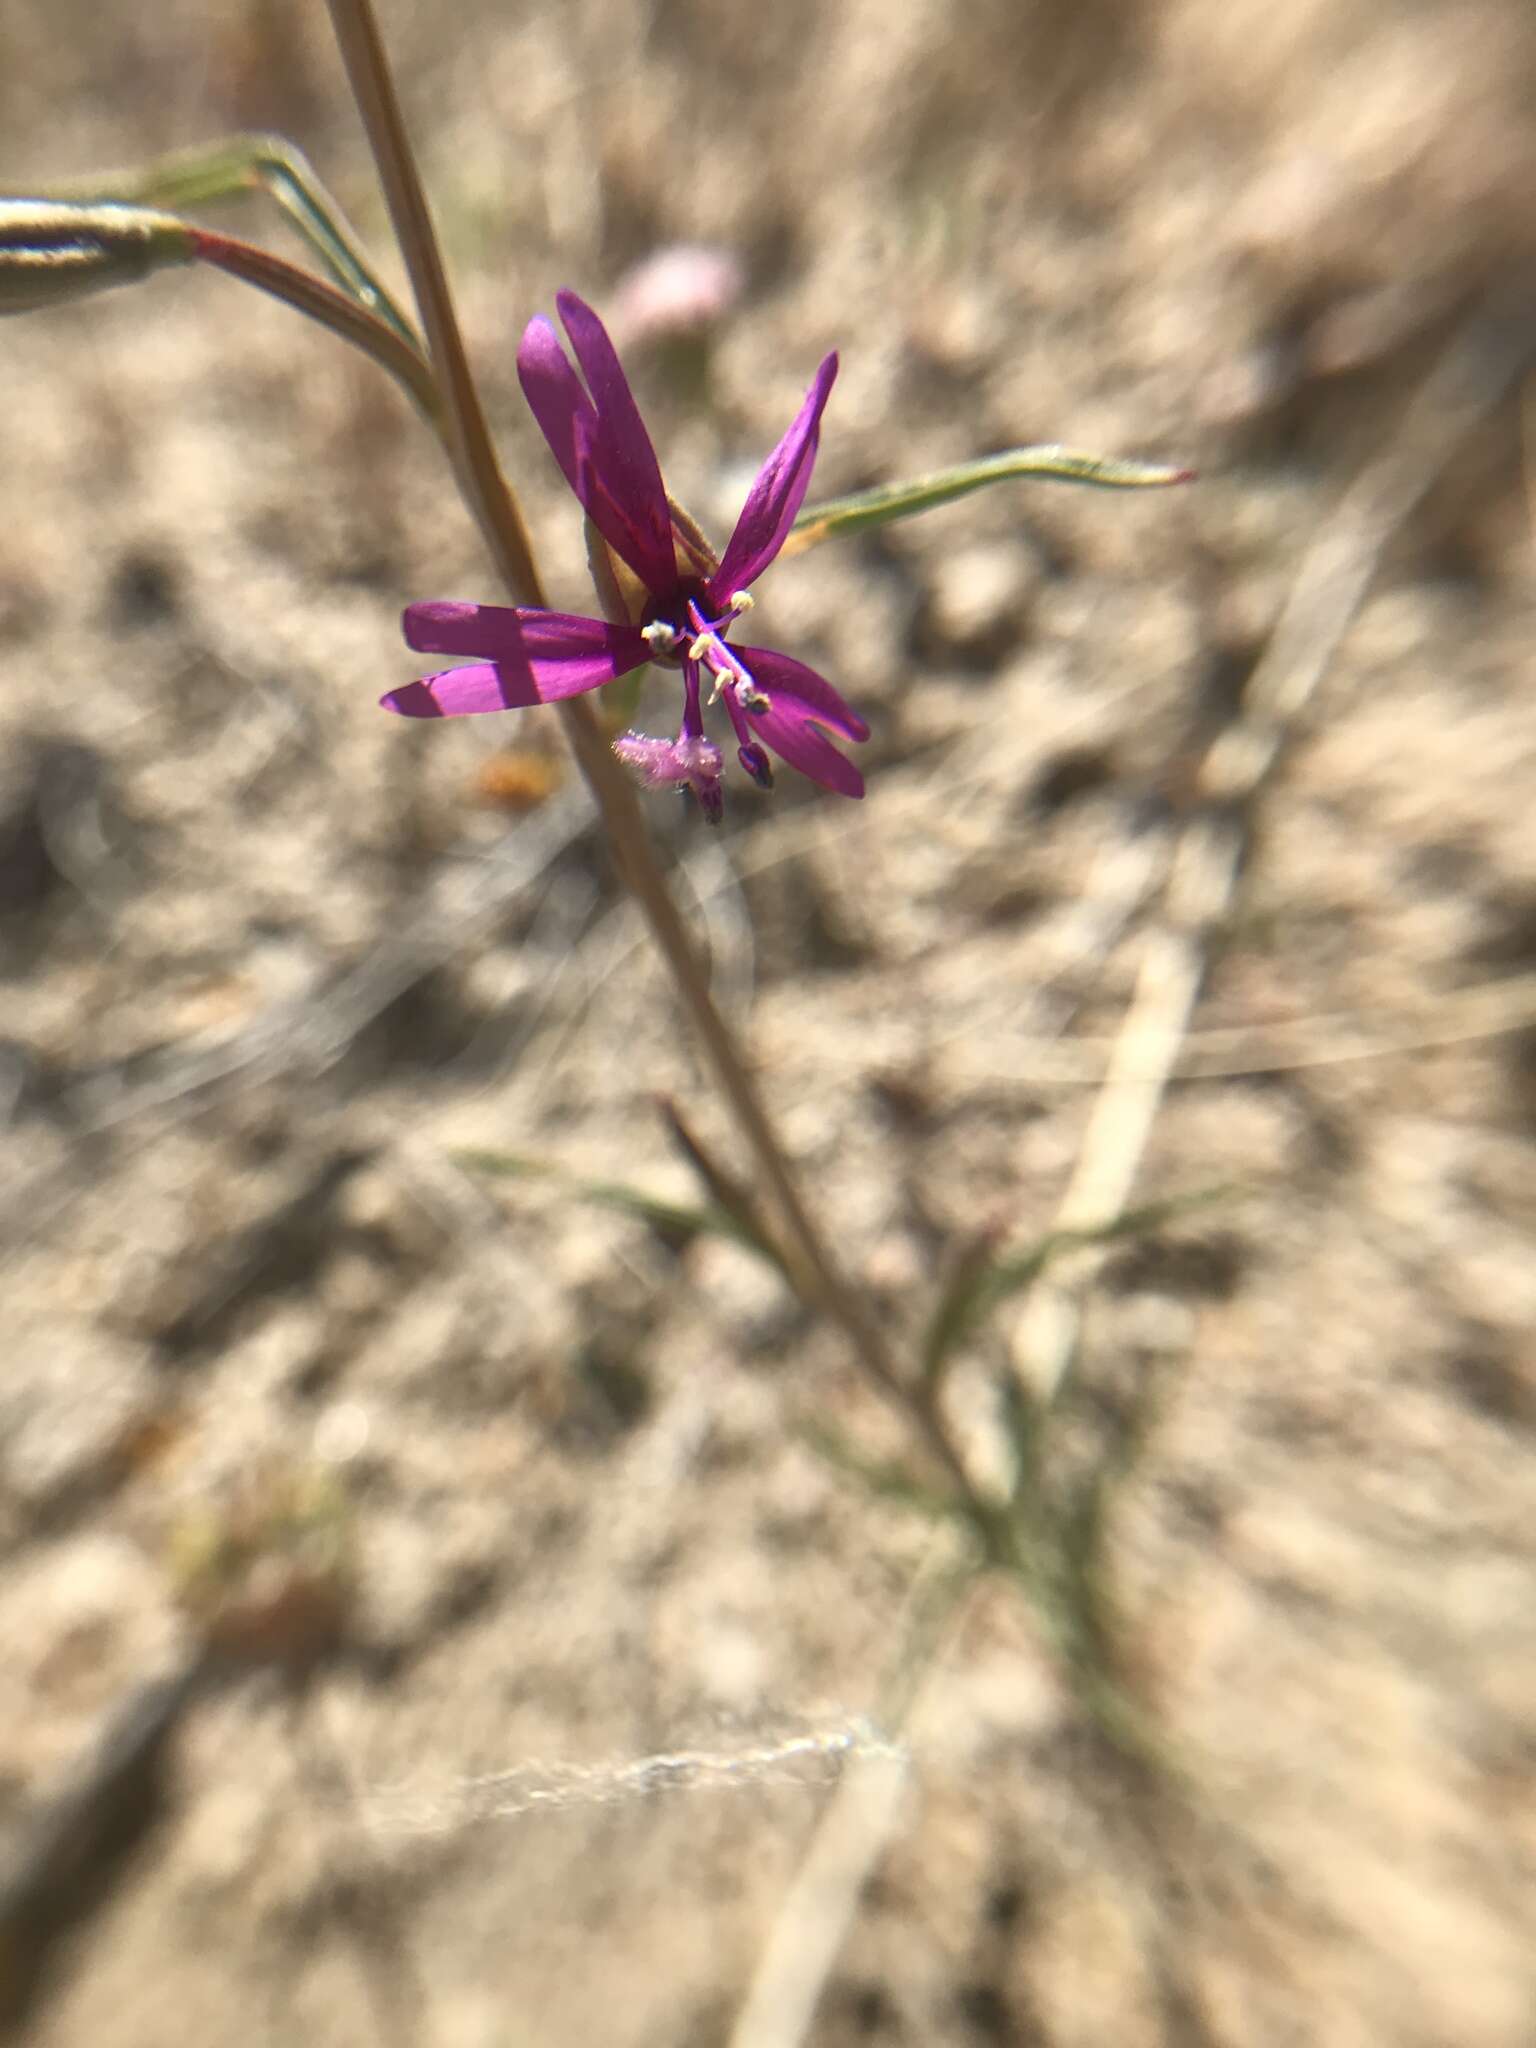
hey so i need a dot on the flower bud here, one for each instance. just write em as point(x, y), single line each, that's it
point(52, 250)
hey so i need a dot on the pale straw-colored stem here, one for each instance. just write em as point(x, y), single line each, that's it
point(500, 520)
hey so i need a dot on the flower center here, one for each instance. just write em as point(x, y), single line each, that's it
point(708, 648)
point(682, 636)
point(666, 625)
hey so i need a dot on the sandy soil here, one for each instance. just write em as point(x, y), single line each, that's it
point(533, 1482)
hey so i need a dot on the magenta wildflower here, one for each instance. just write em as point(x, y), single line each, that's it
point(527, 656)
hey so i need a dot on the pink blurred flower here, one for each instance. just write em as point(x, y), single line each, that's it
point(680, 291)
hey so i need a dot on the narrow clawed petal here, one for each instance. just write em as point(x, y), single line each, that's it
point(602, 447)
point(806, 747)
point(500, 633)
point(776, 497)
point(800, 703)
point(810, 695)
point(538, 658)
point(457, 693)
point(554, 394)
point(621, 458)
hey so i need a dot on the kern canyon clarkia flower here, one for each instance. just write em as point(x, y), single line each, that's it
point(526, 656)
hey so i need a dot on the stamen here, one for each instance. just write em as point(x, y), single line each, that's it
point(731, 677)
point(660, 637)
point(742, 601)
point(710, 650)
point(723, 676)
point(723, 624)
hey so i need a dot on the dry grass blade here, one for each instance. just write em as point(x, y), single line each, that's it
point(1486, 358)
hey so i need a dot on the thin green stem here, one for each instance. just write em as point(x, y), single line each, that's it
point(501, 522)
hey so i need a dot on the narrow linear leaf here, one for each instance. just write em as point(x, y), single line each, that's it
point(1084, 1524)
point(969, 1271)
point(287, 174)
point(978, 1287)
point(671, 1219)
point(886, 1478)
point(839, 517)
point(731, 1196)
point(1012, 1277)
point(1023, 1421)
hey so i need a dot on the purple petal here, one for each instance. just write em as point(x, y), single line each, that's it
point(805, 748)
point(500, 633)
point(802, 690)
point(622, 460)
point(776, 497)
point(456, 693)
point(607, 461)
point(540, 657)
point(554, 394)
point(800, 702)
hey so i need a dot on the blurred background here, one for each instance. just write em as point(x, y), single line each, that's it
point(486, 1497)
